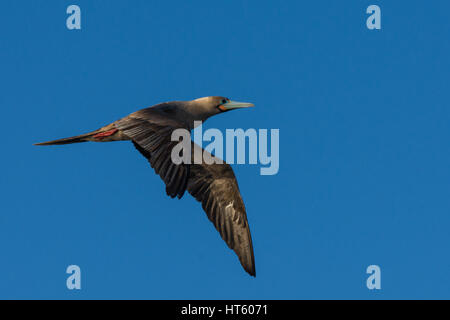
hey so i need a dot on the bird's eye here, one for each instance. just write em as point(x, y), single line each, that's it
point(224, 101)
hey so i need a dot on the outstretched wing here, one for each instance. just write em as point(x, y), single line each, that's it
point(151, 135)
point(215, 186)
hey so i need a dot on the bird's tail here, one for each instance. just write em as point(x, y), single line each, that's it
point(81, 138)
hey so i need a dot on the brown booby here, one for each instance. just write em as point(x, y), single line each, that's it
point(214, 185)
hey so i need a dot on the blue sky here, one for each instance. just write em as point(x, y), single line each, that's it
point(364, 160)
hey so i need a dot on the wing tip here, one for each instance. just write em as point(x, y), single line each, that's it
point(250, 269)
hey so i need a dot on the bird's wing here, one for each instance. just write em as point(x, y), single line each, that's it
point(152, 138)
point(215, 186)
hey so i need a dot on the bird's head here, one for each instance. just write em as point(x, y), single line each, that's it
point(206, 107)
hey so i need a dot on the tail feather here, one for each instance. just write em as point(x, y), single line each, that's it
point(75, 139)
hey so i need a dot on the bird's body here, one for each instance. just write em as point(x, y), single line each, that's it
point(214, 185)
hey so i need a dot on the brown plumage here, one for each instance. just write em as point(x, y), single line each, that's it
point(213, 185)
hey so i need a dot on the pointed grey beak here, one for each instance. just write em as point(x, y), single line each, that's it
point(236, 104)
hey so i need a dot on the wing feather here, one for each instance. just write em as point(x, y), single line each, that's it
point(153, 141)
point(215, 186)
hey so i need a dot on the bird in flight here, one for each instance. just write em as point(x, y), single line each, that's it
point(213, 184)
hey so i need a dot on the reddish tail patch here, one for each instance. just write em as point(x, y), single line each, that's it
point(108, 133)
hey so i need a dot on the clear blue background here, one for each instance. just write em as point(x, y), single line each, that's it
point(364, 148)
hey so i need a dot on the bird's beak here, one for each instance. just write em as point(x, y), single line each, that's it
point(235, 105)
